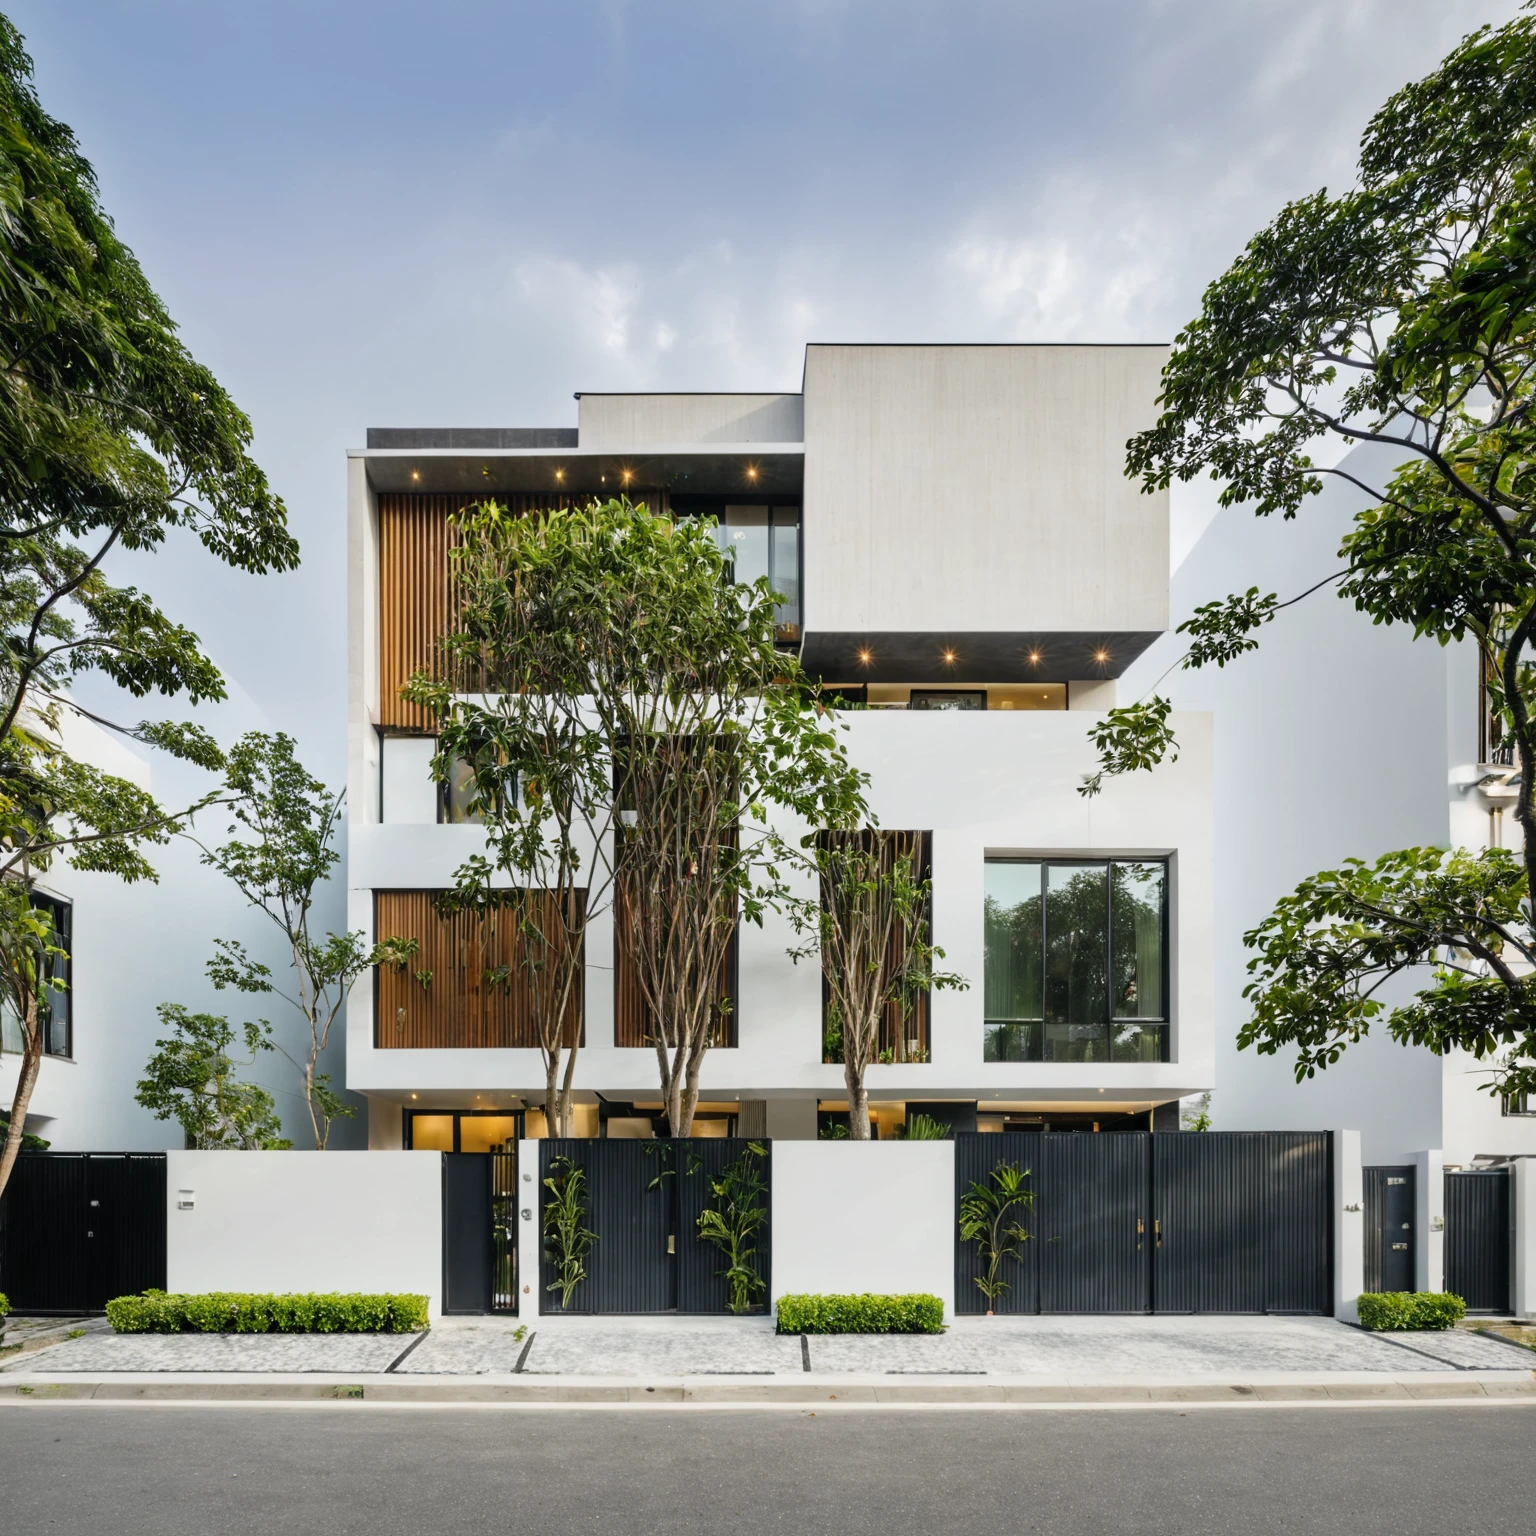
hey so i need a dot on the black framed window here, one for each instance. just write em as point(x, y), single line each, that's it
point(761, 539)
point(1076, 960)
point(462, 1130)
point(57, 1016)
point(1519, 1103)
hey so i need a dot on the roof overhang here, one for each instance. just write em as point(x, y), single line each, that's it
point(748, 470)
point(989, 656)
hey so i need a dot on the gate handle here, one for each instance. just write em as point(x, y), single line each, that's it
point(1157, 1227)
point(1141, 1228)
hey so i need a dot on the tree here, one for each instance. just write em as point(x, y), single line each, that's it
point(540, 779)
point(293, 818)
point(667, 727)
point(111, 436)
point(1198, 1116)
point(191, 1079)
point(1401, 313)
point(870, 932)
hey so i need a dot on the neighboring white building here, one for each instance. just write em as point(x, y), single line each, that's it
point(962, 551)
point(1336, 738)
point(133, 947)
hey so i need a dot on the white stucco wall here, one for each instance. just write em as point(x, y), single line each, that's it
point(305, 1221)
point(996, 782)
point(1523, 1196)
point(662, 420)
point(872, 1216)
point(1348, 1226)
point(980, 488)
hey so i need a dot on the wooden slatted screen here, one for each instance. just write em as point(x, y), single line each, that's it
point(901, 1029)
point(459, 1008)
point(416, 585)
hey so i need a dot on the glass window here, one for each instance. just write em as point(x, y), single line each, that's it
point(56, 1017)
point(486, 1133)
point(1075, 960)
point(784, 569)
point(1137, 894)
point(458, 794)
point(947, 698)
point(744, 537)
point(431, 1133)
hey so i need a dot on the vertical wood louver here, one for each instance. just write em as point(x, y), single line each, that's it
point(462, 1005)
point(416, 602)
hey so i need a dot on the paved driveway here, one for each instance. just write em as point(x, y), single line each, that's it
point(1082, 1349)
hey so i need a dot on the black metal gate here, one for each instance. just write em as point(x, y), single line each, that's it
point(79, 1228)
point(643, 1199)
point(479, 1232)
point(1390, 1198)
point(1242, 1221)
point(1166, 1222)
point(1477, 1238)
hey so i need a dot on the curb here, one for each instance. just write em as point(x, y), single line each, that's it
point(788, 1392)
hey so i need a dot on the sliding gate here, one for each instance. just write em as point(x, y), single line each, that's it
point(1233, 1221)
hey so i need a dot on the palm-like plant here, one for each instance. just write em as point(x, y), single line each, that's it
point(988, 1219)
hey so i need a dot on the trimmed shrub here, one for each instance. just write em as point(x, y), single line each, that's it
point(861, 1314)
point(5, 1306)
point(241, 1312)
point(1390, 1311)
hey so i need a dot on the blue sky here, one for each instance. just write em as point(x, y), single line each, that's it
point(460, 213)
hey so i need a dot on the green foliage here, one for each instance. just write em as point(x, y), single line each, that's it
point(257, 1312)
point(1198, 1118)
point(1129, 737)
point(567, 1241)
point(29, 1142)
point(1393, 1310)
point(281, 853)
point(191, 1078)
point(1323, 955)
point(836, 1131)
point(860, 1314)
point(732, 1223)
point(989, 1217)
point(610, 687)
point(5, 1306)
point(1401, 313)
point(920, 1127)
point(111, 436)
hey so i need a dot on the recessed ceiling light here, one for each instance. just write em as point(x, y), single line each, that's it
point(866, 657)
point(949, 657)
point(1101, 656)
point(415, 474)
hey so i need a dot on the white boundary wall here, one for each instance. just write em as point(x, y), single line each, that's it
point(1523, 1219)
point(305, 1221)
point(852, 1216)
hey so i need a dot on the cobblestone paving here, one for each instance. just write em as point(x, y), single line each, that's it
point(220, 1352)
point(662, 1347)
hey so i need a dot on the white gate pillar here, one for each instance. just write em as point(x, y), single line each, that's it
point(1429, 1221)
point(1523, 1219)
point(530, 1246)
point(1348, 1226)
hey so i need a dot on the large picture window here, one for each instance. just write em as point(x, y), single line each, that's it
point(1076, 960)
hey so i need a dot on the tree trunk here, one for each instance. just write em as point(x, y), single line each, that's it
point(858, 1100)
point(309, 1104)
point(564, 1102)
point(31, 1062)
point(552, 1117)
point(689, 1101)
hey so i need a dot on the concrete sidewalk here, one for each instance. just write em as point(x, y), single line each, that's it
point(1053, 1349)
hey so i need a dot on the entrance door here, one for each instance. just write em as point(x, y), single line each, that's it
point(1477, 1238)
point(468, 1246)
point(1390, 1199)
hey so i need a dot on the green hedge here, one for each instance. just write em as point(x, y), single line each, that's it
point(5, 1306)
point(1391, 1310)
point(240, 1312)
point(861, 1314)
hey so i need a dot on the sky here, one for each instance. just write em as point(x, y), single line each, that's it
point(368, 213)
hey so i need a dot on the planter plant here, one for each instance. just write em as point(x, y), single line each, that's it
point(732, 1223)
point(567, 1241)
point(989, 1218)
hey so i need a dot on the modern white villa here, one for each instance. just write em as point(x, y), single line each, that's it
point(962, 558)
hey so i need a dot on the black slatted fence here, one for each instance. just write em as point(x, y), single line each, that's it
point(643, 1199)
point(1477, 1238)
point(78, 1228)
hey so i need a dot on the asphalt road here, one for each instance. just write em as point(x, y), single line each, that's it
point(233, 1471)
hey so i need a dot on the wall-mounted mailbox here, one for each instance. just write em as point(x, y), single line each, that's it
point(186, 1199)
